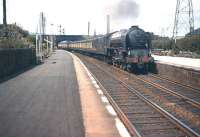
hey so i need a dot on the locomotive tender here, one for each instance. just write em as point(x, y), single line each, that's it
point(128, 49)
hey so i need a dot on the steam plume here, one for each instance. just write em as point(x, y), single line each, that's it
point(125, 9)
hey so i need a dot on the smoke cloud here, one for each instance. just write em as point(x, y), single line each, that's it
point(125, 9)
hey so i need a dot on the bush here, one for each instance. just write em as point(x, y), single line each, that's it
point(13, 43)
point(162, 43)
point(189, 44)
point(13, 36)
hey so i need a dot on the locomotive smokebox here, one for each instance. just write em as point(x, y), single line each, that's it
point(136, 38)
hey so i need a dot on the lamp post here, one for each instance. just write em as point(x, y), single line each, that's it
point(52, 38)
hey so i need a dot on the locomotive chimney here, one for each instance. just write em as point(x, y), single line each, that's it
point(108, 24)
point(88, 28)
point(134, 27)
point(95, 33)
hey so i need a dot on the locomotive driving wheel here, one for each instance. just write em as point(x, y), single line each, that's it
point(123, 66)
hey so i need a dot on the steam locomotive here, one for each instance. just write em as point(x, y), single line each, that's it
point(128, 49)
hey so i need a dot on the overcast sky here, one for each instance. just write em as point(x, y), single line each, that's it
point(152, 15)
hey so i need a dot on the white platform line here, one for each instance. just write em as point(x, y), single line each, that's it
point(119, 125)
point(104, 99)
point(121, 128)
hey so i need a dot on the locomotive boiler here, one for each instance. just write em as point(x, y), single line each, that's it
point(128, 49)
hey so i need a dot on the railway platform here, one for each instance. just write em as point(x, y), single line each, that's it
point(179, 69)
point(59, 98)
point(189, 63)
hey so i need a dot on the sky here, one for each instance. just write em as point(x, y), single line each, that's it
point(152, 15)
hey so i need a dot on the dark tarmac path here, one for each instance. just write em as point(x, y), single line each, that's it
point(42, 102)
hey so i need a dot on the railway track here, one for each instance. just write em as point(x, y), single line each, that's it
point(172, 82)
point(165, 78)
point(140, 106)
point(179, 90)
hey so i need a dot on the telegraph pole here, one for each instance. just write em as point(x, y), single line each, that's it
point(63, 31)
point(95, 33)
point(60, 29)
point(5, 20)
point(42, 29)
point(108, 24)
point(4, 13)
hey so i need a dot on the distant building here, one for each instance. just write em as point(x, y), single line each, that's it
point(195, 32)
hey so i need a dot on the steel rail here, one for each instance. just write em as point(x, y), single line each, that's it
point(162, 88)
point(175, 82)
point(130, 127)
point(174, 120)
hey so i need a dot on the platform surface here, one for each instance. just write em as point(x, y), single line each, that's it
point(100, 119)
point(49, 101)
point(179, 61)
